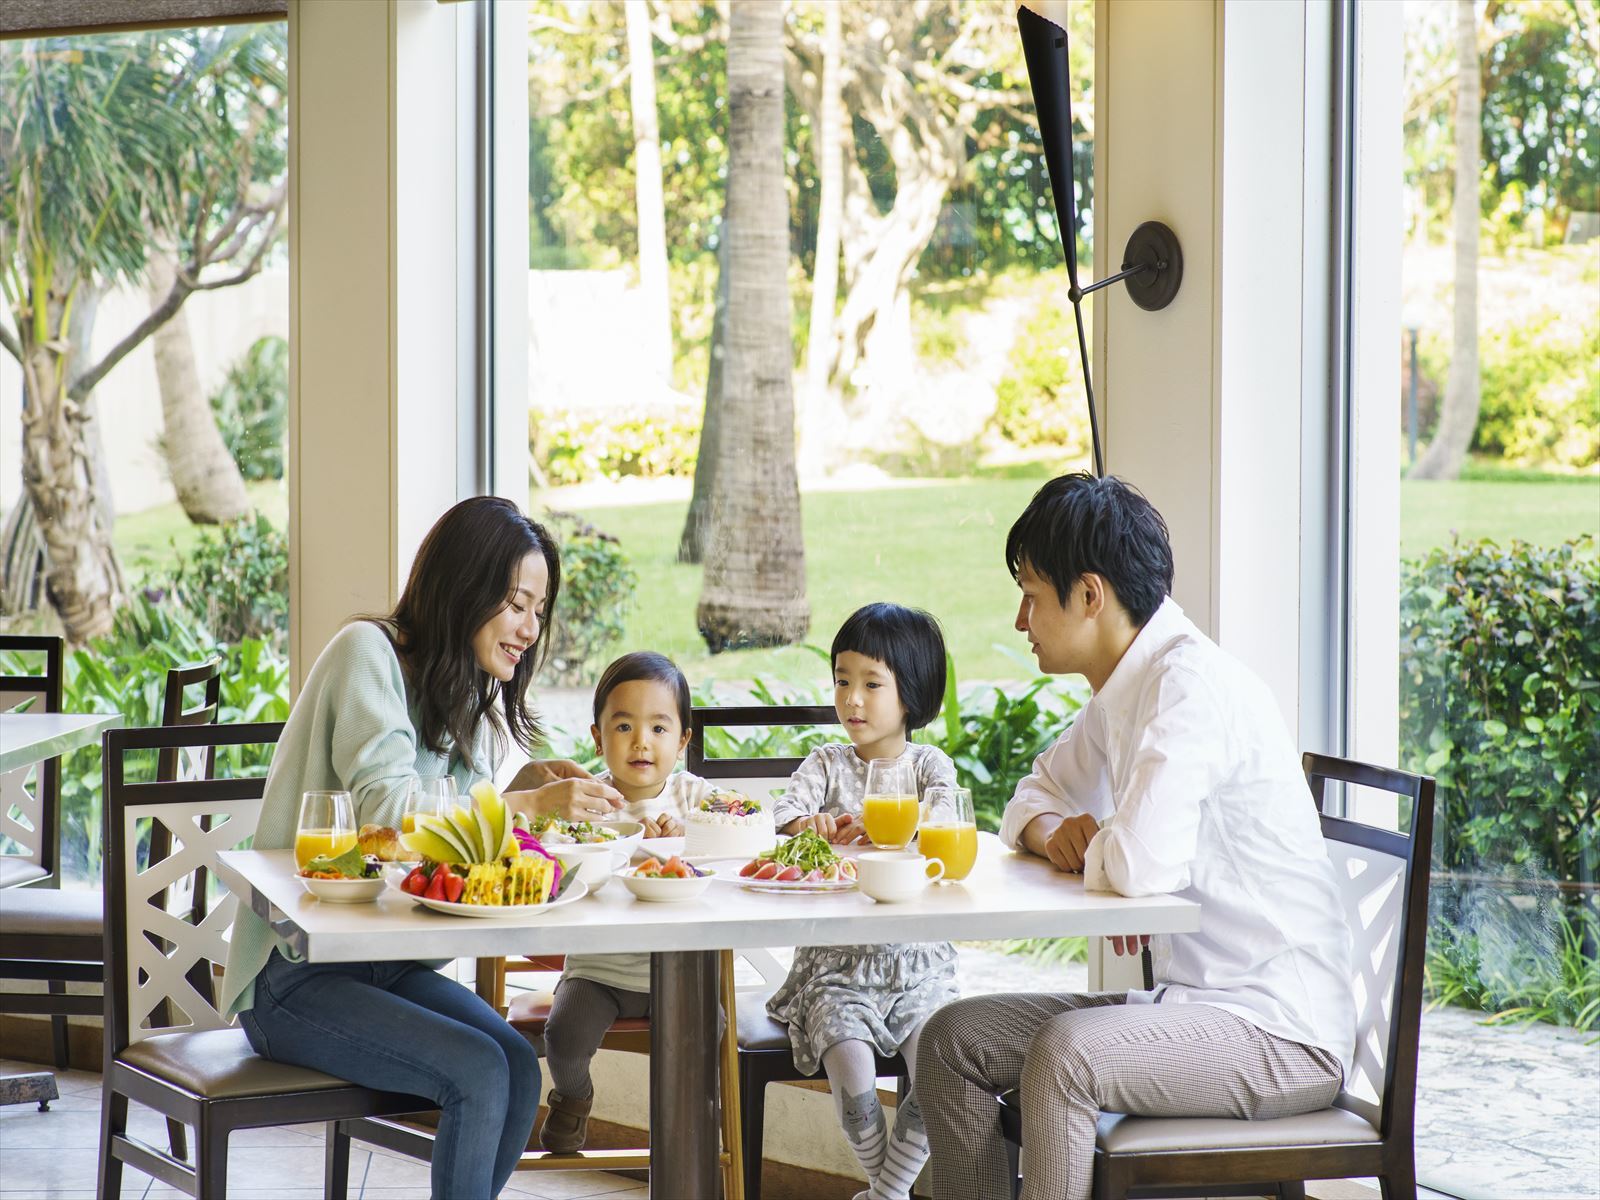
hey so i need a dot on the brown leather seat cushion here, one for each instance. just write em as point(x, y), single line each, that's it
point(46, 923)
point(529, 1012)
point(219, 1064)
point(16, 871)
point(1119, 1134)
point(757, 1031)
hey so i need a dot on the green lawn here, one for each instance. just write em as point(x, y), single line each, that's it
point(1547, 510)
point(938, 546)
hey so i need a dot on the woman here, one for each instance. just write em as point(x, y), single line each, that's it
point(438, 686)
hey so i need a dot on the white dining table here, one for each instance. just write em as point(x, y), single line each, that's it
point(1006, 896)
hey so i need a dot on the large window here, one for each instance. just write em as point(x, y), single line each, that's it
point(1499, 638)
point(144, 372)
point(809, 249)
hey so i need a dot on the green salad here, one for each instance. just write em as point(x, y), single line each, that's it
point(808, 850)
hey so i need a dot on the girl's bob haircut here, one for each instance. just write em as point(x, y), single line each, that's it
point(910, 643)
point(643, 664)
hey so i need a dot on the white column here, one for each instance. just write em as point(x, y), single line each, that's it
point(373, 341)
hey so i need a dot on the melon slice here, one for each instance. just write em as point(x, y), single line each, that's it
point(431, 843)
point(491, 809)
point(464, 824)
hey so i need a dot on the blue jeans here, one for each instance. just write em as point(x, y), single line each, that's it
point(401, 1027)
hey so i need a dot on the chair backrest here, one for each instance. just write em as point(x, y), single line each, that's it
point(1382, 877)
point(159, 964)
point(753, 776)
point(32, 819)
point(190, 762)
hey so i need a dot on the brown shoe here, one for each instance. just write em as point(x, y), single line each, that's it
point(566, 1126)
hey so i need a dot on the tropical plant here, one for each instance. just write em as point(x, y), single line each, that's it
point(252, 408)
point(597, 590)
point(111, 145)
point(238, 580)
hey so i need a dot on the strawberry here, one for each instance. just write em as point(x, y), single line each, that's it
point(435, 888)
point(415, 882)
point(454, 885)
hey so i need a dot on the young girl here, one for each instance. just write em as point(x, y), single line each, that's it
point(843, 1003)
point(641, 726)
point(438, 686)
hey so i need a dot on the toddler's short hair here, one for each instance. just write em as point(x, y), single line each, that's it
point(643, 664)
point(910, 643)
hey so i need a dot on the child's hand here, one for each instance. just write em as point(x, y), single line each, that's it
point(666, 825)
point(839, 830)
point(848, 831)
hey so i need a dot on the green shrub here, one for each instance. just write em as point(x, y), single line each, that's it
point(1040, 400)
point(578, 447)
point(597, 588)
point(126, 672)
point(252, 408)
point(1500, 702)
point(237, 580)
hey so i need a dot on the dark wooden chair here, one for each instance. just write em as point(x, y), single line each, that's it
point(37, 836)
point(166, 1044)
point(765, 1055)
point(59, 936)
point(1369, 1130)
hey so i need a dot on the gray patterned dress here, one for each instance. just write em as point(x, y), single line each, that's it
point(875, 994)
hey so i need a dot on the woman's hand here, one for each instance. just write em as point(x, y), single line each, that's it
point(576, 799)
point(666, 825)
point(548, 770)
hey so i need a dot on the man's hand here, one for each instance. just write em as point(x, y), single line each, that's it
point(548, 770)
point(1062, 840)
point(666, 825)
point(1132, 944)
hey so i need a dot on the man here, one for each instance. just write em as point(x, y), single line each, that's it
point(1178, 776)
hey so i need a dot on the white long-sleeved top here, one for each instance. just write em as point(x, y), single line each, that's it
point(1186, 763)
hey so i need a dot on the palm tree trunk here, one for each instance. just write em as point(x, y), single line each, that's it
point(648, 200)
point(753, 592)
point(692, 542)
point(203, 472)
point(1458, 419)
point(821, 415)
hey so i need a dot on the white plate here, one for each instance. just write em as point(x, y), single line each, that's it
point(344, 891)
point(576, 890)
point(729, 873)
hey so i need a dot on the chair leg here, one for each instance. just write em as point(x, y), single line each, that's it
point(58, 1028)
point(1400, 1182)
point(178, 1138)
point(113, 1124)
point(1292, 1190)
point(210, 1160)
point(752, 1122)
point(335, 1163)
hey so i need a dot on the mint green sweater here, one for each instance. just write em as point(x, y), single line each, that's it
point(352, 729)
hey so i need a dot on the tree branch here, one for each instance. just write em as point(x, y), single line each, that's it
point(10, 343)
point(85, 382)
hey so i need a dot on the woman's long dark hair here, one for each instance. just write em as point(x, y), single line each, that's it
point(464, 575)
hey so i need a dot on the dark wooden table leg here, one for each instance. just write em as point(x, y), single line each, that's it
point(683, 1076)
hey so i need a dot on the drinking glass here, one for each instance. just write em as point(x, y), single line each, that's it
point(430, 796)
point(889, 809)
point(948, 832)
point(327, 826)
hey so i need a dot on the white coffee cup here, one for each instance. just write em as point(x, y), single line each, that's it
point(891, 875)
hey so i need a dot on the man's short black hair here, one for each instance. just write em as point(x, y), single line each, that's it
point(1077, 524)
point(643, 664)
point(910, 643)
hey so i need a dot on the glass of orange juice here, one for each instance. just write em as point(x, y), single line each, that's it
point(430, 796)
point(327, 826)
point(948, 831)
point(889, 809)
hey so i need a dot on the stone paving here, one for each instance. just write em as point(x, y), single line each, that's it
point(1503, 1112)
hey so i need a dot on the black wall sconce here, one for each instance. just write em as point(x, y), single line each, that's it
point(1152, 262)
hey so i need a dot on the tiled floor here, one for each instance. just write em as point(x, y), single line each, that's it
point(54, 1154)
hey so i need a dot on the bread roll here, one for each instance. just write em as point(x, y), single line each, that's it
point(381, 841)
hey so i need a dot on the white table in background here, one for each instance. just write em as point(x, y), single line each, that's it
point(1006, 896)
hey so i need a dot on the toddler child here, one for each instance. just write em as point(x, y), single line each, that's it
point(843, 1004)
point(641, 726)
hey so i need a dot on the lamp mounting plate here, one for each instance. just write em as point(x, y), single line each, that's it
point(1154, 247)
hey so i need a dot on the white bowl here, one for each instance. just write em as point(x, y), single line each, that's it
point(345, 891)
point(593, 864)
point(629, 834)
point(664, 891)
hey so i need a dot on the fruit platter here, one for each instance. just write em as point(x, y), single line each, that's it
point(348, 878)
point(803, 863)
point(663, 882)
point(478, 861)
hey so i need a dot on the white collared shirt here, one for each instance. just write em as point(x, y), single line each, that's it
point(1186, 762)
